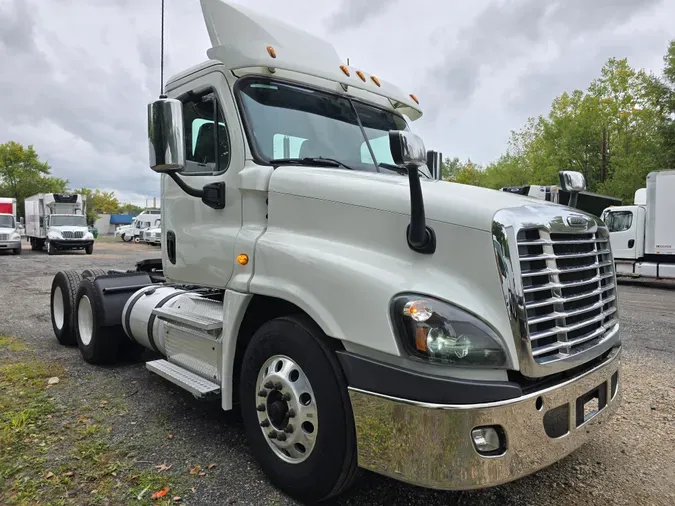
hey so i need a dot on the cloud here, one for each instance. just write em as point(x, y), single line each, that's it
point(354, 13)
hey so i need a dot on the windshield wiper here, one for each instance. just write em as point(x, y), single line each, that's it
point(324, 162)
point(399, 169)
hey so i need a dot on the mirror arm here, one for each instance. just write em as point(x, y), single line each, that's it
point(421, 238)
point(213, 195)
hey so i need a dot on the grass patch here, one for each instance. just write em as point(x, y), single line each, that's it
point(53, 454)
point(11, 344)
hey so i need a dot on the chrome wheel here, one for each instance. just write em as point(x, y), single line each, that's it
point(286, 408)
point(58, 309)
point(85, 320)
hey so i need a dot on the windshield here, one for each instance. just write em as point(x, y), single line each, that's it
point(67, 221)
point(6, 221)
point(618, 221)
point(290, 121)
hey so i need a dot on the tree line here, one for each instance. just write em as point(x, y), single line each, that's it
point(615, 132)
point(23, 174)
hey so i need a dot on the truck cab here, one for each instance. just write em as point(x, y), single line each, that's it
point(135, 231)
point(10, 236)
point(358, 311)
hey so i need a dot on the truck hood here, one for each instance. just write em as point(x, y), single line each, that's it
point(454, 203)
point(68, 229)
point(5, 230)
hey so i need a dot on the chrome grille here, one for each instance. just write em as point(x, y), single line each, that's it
point(569, 291)
point(4, 237)
point(72, 235)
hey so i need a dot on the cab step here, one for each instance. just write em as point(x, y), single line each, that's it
point(196, 385)
point(195, 320)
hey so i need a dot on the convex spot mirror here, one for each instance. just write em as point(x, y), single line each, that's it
point(407, 149)
point(166, 137)
point(572, 181)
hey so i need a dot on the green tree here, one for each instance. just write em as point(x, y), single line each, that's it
point(23, 174)
point(98, 202)
point(129, 209)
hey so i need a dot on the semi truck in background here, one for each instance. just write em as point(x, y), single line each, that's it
point(359, 311)
point(643, 234)
point(57, 221)
point(589, 202)
point(10, 236)
point(153, 235)
point(143, 221)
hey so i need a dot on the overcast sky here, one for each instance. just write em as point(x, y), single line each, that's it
point(76, 75)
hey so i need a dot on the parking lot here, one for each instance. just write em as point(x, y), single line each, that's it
point(155, 423)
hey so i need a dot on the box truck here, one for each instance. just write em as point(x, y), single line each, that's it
point(57, 221)
point(643, 234)
point(10, 236)
point(357, 310)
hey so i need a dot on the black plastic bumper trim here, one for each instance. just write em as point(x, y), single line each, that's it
point(373, 376)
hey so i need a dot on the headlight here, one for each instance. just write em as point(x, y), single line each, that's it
point(54, 235)
point(16, 237)
point(442, 333)
point(88, 235)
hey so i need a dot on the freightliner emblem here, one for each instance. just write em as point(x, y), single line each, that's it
point(577, 221)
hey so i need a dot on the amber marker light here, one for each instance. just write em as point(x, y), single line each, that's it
point(242, 259)
point(271, 52)
point(361, 75)
point(345, 69)
point(415, 99)
point(376, 81)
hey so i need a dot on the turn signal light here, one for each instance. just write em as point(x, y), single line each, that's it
point(242, 259)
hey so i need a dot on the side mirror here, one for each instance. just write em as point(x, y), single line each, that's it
point(572, 182)
point(407, 149)
point(166, 137)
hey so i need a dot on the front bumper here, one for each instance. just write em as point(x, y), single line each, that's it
point(71, 243)
point(431, 445)
point(6, 245)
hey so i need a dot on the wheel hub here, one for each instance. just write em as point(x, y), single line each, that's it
point(286, 409)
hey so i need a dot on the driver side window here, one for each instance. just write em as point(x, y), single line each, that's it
point(207, 148)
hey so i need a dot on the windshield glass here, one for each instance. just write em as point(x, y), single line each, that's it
point(618, 221)
point(290, 121)
point(6, 221)
point(67, 221)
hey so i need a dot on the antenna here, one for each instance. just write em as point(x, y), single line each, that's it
point(161, 58)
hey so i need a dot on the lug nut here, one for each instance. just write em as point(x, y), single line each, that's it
point(262, 393)
point(289, 429)
point(286, 397)
point(291, 413)
point(260, 407)
point(278, 385)
point(281, 436)
point(265, 423)
point(272, 435)
point(269, 385)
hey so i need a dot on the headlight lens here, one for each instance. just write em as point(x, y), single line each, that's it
point(16, 237)
point(446, 334)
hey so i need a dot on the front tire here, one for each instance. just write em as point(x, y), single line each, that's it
point(292, 353)
point(17, 251)
point(126, 238)
point(98, 344)
point(89, 249)
point(51, 250)
point(62, 306)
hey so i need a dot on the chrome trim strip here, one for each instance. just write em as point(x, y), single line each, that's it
point(552, 220)
point(430, 445)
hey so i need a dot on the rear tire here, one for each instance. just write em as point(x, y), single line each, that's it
point(98, 344)
point(62, 306)
point(331, 463)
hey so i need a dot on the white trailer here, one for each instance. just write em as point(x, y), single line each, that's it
point(57, 221)
point(10, 236)
point(643, 234)
point(357, 310)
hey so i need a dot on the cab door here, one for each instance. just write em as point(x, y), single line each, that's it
point(198, 240)
point(623, 235)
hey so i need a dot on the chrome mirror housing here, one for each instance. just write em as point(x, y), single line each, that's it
point(166, 137)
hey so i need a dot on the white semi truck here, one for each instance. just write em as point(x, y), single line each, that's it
point(356, 310)
point(57, 221)
point(10, 236)
point(643, 234)
point(135, 230)
point(153, 235)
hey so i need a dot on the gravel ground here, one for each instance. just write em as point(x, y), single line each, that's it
point(630, 463)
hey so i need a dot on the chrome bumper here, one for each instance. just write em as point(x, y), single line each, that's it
point(431, 445)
